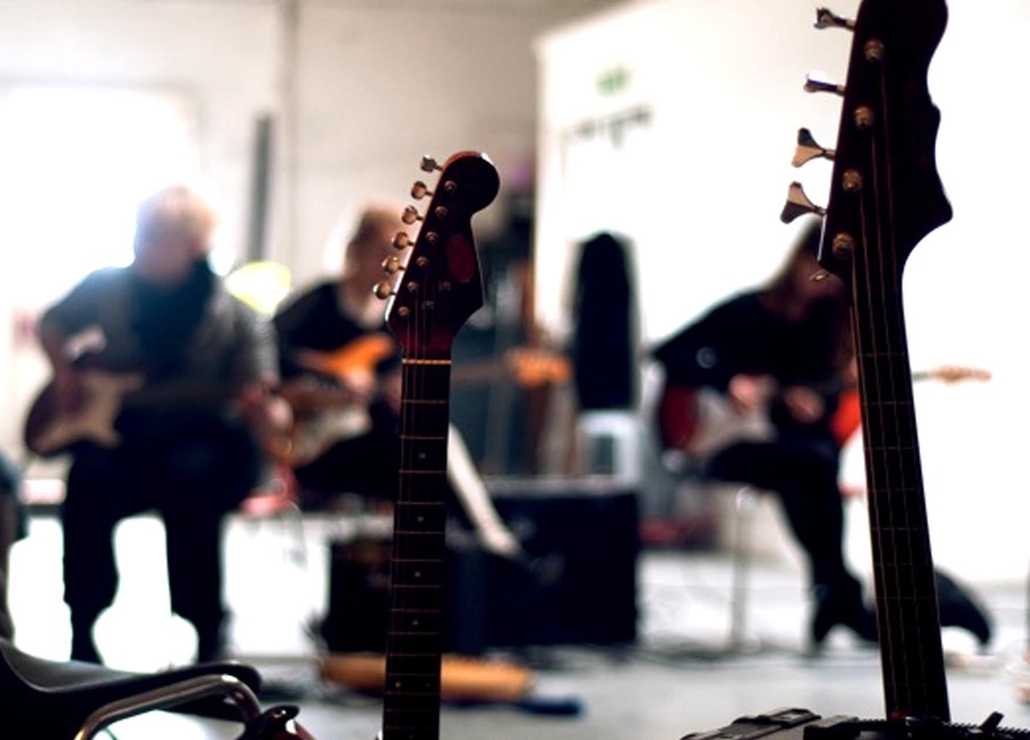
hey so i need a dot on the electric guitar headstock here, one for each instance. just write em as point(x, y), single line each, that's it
point(438, 286)
point(885, 192)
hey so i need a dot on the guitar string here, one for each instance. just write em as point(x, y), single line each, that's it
point(400, 609)
point(869, 378)
point(927, 638)
point(890, 285)
point(879, 471)
point(885, 381)
point(417, 381)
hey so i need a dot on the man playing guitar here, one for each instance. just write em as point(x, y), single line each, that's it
point(332, 336)
point(168, 320)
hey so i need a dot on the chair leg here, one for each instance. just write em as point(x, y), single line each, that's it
point(743, 504)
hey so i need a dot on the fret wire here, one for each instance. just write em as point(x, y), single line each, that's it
point(425, 363)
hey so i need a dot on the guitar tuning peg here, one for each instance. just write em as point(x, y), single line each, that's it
point(392, 265)
point(429, 164)
point(420, 190)
point(808, 149)
point(383, 290)
point(798, 204)
point(826, 18)
point(814, 84)
point(401, 241)
point(410, 215)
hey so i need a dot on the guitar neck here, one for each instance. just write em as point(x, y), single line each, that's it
point(907, 610)
point(413, 644)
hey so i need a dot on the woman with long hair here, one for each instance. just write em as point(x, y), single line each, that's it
point(784, 349)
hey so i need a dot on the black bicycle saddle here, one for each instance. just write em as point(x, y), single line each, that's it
point(50, 700)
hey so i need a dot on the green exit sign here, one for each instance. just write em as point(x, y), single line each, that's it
point(613, 81)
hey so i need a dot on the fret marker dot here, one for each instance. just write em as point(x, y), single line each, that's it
point(418, 574)
point(421, 519)
point(414, 623)
point(421, 456)
point(397, 685)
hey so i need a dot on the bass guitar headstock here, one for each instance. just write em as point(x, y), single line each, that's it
point(436, 285)
point(885, 192)
point(885, 196)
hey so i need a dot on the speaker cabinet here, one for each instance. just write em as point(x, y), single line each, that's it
point(578, 584)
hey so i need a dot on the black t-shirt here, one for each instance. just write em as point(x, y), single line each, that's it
point(741, 335)
point(315, 320)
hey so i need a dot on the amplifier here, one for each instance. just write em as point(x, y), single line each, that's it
point(577, 586)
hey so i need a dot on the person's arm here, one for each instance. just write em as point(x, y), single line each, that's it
point(255, 367)
point(707, 353)
point(289, 324)
point(74, 313)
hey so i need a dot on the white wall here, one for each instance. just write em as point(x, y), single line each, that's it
point(700, 188)
point(380, 88)
point(223, 54)
point(358, 91)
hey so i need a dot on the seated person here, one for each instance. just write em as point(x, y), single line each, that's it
point(341, 371)
point(782, 351)
point(167, 318)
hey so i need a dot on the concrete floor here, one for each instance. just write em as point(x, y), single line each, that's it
point(673, 681)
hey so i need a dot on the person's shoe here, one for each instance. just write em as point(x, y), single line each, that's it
point(844, 607)
point(960, 608)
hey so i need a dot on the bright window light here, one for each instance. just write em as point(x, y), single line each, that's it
point(74, 163)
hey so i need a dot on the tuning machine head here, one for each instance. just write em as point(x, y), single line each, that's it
point(428, 164)
point(383, 290)
point(411, 215)
point(816, 83)
point(401, 241)
point(392, 265)
point(826, 18)
point(798, 204)
point(808, 149)
point(420, 190)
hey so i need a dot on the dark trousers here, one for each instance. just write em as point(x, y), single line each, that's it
point(11, 529)
point(192, 480)
point(8, 534)
point(365, 465)
point(803, 472)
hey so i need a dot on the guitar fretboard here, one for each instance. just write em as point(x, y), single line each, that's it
point(910, 645)
point(411, 701)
